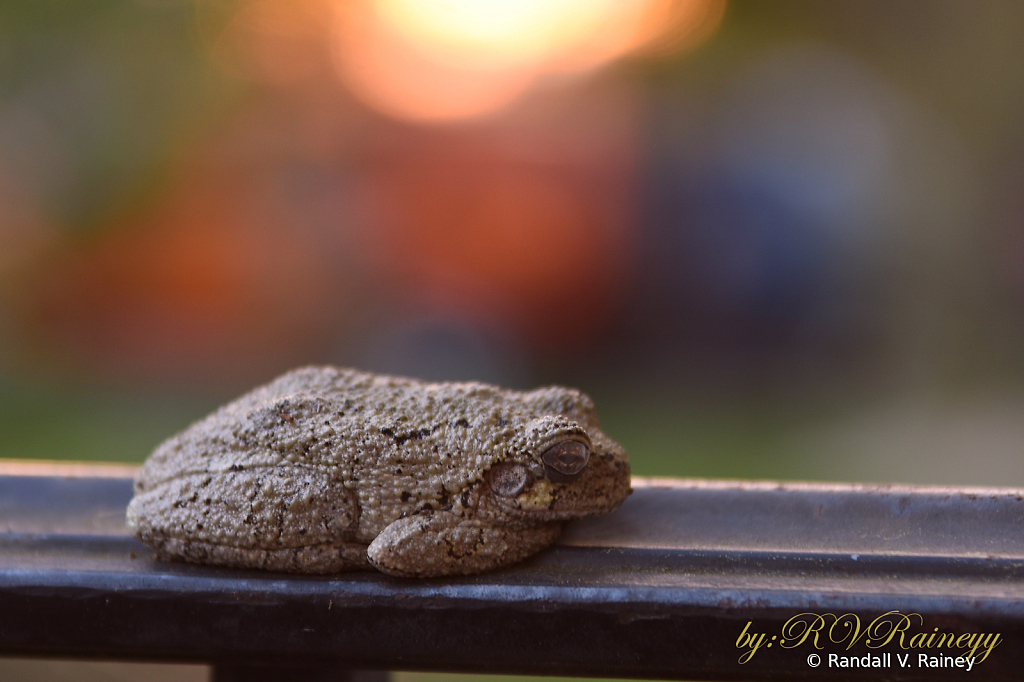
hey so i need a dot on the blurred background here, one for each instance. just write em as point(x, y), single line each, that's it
point(777, 240)
point(771, 241)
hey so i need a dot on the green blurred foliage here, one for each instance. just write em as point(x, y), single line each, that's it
point(675, 435)
point(58, 422)
point(112, 88)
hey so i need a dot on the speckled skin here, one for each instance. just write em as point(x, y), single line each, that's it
point(328, 469)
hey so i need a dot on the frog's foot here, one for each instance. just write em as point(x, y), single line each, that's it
point(443, 543)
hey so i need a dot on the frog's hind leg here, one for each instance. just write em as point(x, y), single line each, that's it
point(327, 558)
point(276, 518)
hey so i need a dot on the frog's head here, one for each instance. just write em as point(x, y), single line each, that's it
point(563, 471)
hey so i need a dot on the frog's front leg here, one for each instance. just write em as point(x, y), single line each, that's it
point(445, 543)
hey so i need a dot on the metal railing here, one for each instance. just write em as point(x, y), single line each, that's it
point(689, 579)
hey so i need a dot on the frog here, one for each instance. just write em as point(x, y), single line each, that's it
point(328, 469)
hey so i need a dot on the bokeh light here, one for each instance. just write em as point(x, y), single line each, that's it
point(420, 60)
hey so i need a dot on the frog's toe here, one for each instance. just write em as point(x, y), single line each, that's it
point(442, 543)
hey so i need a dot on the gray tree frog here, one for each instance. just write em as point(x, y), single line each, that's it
point(327, 469)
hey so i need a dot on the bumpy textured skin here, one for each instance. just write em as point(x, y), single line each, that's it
point(328, 469)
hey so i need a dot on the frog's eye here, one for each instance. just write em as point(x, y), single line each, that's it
point(564, 461)
point(508, 480)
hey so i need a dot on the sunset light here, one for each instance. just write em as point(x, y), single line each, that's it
point(420, 60)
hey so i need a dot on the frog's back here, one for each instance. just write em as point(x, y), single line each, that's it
point(376, 447)
point(345, 421)
point(304, 472)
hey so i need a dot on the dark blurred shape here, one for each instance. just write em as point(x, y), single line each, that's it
point(441, 347)
point(776, 212)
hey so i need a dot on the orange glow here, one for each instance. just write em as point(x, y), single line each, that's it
point(539, 244)
point(423, 60)
point(212, 281)
point(498, 34)
point(24, 234)
point(392, 76)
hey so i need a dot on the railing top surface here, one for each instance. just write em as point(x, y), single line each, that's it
point(660, 588)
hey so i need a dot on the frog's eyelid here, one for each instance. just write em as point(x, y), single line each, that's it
point(507, 479)
point(566, 460)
